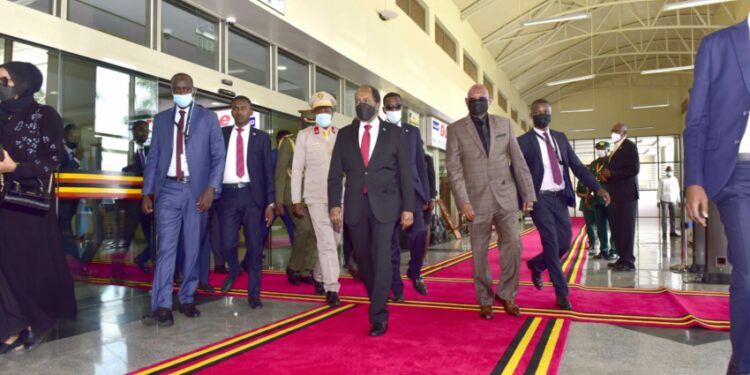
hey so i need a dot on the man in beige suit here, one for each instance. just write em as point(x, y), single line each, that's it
point(312, 159)
point(487, 172)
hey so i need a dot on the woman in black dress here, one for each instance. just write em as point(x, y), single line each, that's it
point(36, 289)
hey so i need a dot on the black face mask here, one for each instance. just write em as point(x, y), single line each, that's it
point(7, 93)
point(365, 111)
point(478, 107)
point(542, 120)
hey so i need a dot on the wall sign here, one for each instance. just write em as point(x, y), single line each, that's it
point(438, 133)
point(226, 119)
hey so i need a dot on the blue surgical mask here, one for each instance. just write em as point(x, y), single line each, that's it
point(393, 116)
point(182, 101)
point(323, 119)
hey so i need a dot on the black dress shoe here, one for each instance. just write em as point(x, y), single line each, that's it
point(208, 288)
point(613, 256)
point(161, 317)
point(4, 348)
point(378, 329)
point(419, 286)
point(564, 303)
point(221, 269)
point(536, 277)
point(622, 267)
point(307, 280)
point(226, 286)
point(332, 299)
point(319, 289)
point(613, 264)
point(190, 310)
point(293, 276)
point(254, 303)
point(398, 296)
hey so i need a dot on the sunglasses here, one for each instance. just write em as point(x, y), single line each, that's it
point(393, 107)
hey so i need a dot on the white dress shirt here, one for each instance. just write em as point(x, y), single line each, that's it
point(669, 190)
point(745, 142)
point(374, 131)
point(548, 182)
point(230, 167)
point(173, 164)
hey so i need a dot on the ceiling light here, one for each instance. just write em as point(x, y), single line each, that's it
point(577, 110)
point(218, 103)
point(569, 17)
point(580, 130)
point(649, 106)
point(667, 70)
point(691, 4)
point(570, 80)
point(281, 67)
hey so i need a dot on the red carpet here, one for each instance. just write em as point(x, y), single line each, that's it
point(334, 341)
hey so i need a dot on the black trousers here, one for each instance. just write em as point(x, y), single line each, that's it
point(371, 240)
point(550, 215)
point(622, 221)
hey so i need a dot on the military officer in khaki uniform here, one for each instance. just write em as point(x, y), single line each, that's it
point(304, 253)
point(312, 158)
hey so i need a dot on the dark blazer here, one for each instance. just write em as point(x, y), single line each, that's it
point(625, 166)
point(529, 144)
point(203, 149)
point(67, 164)
point(388, 176)
point(431, 179)
point(259, 164)
point(137, 167)
point(719, 108)
point(417, 161)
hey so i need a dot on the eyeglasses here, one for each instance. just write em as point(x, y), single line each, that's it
point(393, 107)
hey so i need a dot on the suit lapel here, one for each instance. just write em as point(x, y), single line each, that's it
point(379, 144)
point(169, 131)
point(492, 123)
point(741, 39)
point(534, 145)
point(473, 133)
point(251, 133)
point(355, 141)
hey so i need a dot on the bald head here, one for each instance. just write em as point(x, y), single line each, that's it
point(478, 100)
point(620, 129)
point(478, 91)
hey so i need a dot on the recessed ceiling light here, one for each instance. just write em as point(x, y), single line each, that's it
point(570, 80)
point(281, 67)
point(692, 4)
point(569, 17)
point(667, 70)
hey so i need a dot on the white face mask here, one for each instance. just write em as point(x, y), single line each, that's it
point(601, 153)
point(616, 137)
point(393, 116)
point(669, 174)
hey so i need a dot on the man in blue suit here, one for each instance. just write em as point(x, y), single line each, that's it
point(248, 199)
point(550, 157)
point(182, 177)
point(417, 233)
point(717, 163)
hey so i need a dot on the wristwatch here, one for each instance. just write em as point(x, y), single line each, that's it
point(272, 205)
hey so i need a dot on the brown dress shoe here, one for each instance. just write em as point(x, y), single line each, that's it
point(485, 312)
point(510, 307)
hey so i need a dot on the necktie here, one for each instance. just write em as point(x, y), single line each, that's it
point(240, 154)
point(180, 145)
point(485, 137)
point(553, 161)
point(142, 156)
point(364, 149)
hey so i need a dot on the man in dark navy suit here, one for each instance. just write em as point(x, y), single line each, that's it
point(248, 198)
point(550, 157)
point(374, 158)
point(417, 233)
point(67, 208)
point(182, 178)
point(717, 163)
point(135, 214)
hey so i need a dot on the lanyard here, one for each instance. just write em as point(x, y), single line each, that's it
point(186, 130)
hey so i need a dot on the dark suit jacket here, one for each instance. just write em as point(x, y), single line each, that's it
point(417, 161)
point(624, 165)
point(719, 108)
point(529, 144)
point(259, 164)
point(203, 149)
point(388, 176)
point(137, 167)
point(67, 164)
point(431, 179)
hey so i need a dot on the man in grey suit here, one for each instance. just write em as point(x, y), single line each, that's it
point(487, 172)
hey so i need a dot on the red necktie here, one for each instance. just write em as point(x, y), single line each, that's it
point(240, 154)
point(553, 161)
point(180, 145)
point(364, 148)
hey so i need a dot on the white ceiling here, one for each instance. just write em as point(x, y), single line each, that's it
point(619, 40)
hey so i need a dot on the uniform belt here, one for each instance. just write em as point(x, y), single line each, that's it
point(743, 156)
point(183, 180)
point(241, 185)
point(551, 192)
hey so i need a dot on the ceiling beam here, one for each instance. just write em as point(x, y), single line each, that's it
point(474, 8)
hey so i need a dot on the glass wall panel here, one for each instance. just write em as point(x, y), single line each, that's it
point(40, 5)
point(124, 19)
point(40, 58)
point(327, 82)
point(249, 59)
point(293, 76)
point(351, 90)
point(190, 36)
